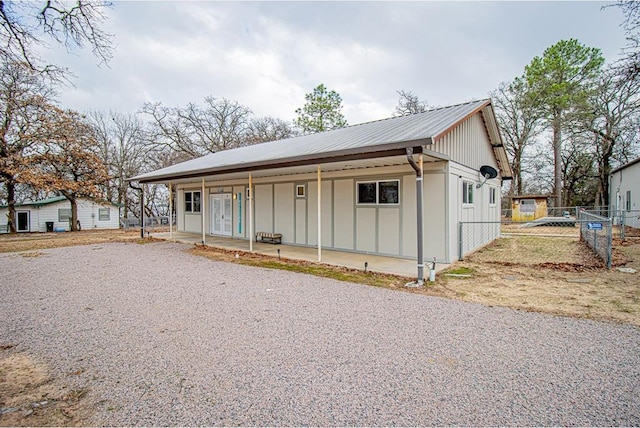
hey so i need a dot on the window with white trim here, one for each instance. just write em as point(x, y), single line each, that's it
point(192, 201)
point(628, 200)
point(383, 192)
point(64, 214)
point(104, 214)
point(492, 195)
point(467, 192)
point(300, 191)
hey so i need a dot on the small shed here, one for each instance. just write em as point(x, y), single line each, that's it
point(528, 207)
point(54, 213)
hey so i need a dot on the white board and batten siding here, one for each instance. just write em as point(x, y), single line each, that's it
point(90, 215)
point(385, 229)
point(624, 187)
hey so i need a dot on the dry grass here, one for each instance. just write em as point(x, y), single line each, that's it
point(38, 241)
point(551, 275)
point(29, 396)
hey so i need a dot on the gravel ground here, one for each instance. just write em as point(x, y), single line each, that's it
point(167, 338)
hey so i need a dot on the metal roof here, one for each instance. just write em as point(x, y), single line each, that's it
point(386, 137)
point(626, 165)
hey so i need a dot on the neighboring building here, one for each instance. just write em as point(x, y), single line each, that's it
point(352, 189)
point(624, 189)
point(55, 213)
point(528, 207)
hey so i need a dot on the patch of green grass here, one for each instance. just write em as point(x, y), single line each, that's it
point(461, 270)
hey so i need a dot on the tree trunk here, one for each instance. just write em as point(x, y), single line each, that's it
point(11, 202)
point(74, 214)
point(557, 159)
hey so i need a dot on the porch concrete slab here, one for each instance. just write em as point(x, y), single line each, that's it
point(375, 263)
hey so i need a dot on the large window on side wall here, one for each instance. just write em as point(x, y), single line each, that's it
point(192, 202)
point(382, 192)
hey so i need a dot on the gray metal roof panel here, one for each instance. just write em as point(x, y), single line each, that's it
point(370, 135)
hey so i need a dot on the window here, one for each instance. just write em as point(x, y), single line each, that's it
point(528, 206)
point(628, 200)
point(300, 191)
point(64, 214)
point(492, 195)
point(192, 202)
point(467, 192)
point(104, 214)
point(379, 192)
point(388, 192)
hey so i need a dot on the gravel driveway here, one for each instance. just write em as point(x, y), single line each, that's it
point(168, 338)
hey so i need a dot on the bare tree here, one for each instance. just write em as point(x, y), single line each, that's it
point(263, 129)
point(122, 146)
point(24, 25)
point(219, 124)
point(520, 123)
point(615, 109)
point(409, 104)
point(629, 66)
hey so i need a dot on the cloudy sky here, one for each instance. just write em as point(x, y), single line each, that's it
point(267, 55)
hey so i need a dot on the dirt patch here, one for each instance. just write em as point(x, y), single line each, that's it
point(551, 275)
point(30, 396)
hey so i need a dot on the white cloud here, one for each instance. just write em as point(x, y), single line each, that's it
point(268, 55)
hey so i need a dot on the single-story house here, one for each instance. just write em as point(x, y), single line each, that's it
point(54, 213)
point(528, 207)
point(353, 189)
point(624, 188)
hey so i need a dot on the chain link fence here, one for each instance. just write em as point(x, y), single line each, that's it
point(151, 224)
point(594, 230)
point(628, 223)
point(597, 232)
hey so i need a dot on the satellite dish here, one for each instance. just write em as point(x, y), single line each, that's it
point(487, 173)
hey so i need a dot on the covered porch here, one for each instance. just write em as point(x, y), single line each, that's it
point(375, 263)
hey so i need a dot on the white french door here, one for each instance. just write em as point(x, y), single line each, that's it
point(221, 218)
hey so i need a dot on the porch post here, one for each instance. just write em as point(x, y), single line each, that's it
point(319, 215)
point(250, 213)
point(202, 210)
point(170, 212)
point(420, 215)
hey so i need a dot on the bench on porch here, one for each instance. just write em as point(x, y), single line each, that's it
point(274, 238)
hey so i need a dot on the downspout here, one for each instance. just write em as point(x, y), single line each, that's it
point(419, 214)
point(139, 189)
